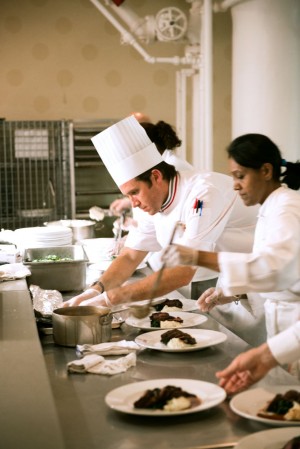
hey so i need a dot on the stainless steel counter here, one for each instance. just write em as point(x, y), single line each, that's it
point(28, 417)
point(86, 420)
point(70, 408)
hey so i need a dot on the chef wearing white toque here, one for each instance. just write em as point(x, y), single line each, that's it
point(214, 218)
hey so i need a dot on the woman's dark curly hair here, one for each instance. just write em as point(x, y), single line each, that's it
point(162, 134)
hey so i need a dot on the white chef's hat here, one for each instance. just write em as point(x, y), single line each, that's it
point(126, 150)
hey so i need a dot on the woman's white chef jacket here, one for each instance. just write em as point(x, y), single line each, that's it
point(285, 346)
point(223, 222)
point(273, 267)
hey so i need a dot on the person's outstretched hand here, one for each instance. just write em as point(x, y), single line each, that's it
point(77, 300)
point(213, 297)
point(99, 300)
point(246, 369)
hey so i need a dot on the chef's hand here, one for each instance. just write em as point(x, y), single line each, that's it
point(246, 369)
point(213, 297)
point(77, 300)
point(175, 255)
point(99, 300)
point(120, 205)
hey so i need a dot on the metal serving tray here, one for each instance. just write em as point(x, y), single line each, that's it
point(61, 275)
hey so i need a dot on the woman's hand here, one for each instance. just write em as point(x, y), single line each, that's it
point(213, 297)
point(77, 300)
point(175, 255)
point(247, 369)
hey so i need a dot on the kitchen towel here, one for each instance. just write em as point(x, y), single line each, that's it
point(110, 348)
point(96, 364)
point(12, 271)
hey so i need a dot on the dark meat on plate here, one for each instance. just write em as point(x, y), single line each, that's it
point(158, 397)
point(157, 317)
point(177, 333)
point(169, 303)
point(280, 405)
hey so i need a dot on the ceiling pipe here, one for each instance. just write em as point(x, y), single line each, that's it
point(181, 106)
point(206, 38)
point(226, 4)
point(128, 38)
point(199, 60)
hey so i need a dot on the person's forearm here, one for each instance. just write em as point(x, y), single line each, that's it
point(209, 260)
point(121, 268)
point(266, 357)
point(172, 279)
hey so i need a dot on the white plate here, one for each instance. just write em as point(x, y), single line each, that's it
point(248, 403)
point(268, 439)
point(123, 398)
point(189, 320)
point(204, 338)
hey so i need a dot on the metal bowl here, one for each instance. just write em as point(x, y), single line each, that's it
point(81, 229)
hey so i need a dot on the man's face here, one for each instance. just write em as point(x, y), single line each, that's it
point(148, 198)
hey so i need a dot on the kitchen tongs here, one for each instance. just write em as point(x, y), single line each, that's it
point(141, 311)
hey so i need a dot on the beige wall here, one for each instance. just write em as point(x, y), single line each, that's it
point(61, 59)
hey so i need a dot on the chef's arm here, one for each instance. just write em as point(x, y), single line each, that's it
point(172, 279)
point(122, 268)
point(209, 260)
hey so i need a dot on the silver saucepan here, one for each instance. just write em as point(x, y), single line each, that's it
point(81, 325)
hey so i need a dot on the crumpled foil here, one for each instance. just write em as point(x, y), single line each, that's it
point(45, 301)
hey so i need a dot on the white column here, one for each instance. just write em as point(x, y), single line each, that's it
point(266, 72)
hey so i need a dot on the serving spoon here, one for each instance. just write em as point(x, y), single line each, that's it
point(141, 311)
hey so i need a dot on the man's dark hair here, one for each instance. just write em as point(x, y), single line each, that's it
point(168, 172)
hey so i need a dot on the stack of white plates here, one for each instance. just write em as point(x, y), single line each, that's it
point(43, 237)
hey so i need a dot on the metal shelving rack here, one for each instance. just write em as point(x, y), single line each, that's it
point(93, 185)
point(35, 167)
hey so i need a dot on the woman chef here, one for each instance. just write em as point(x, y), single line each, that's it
point(212, 214)
point(273, 266)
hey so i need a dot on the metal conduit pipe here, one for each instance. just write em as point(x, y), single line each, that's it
point(128, 38)
point(226, 4)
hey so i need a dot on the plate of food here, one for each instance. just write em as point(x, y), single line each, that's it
point(176, 340)
point(274, 405)
point(164, 320)
point(283, 438)
point(165, 397)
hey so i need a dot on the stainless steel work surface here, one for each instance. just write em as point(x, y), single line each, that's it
point(28, 418)
point(87, 422)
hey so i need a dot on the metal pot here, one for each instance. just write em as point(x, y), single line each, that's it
point(81, 229)
point(81, 325)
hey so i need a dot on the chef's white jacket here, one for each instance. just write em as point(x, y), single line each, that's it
point(273, 267)
point(223, 223)
point(169, 156)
